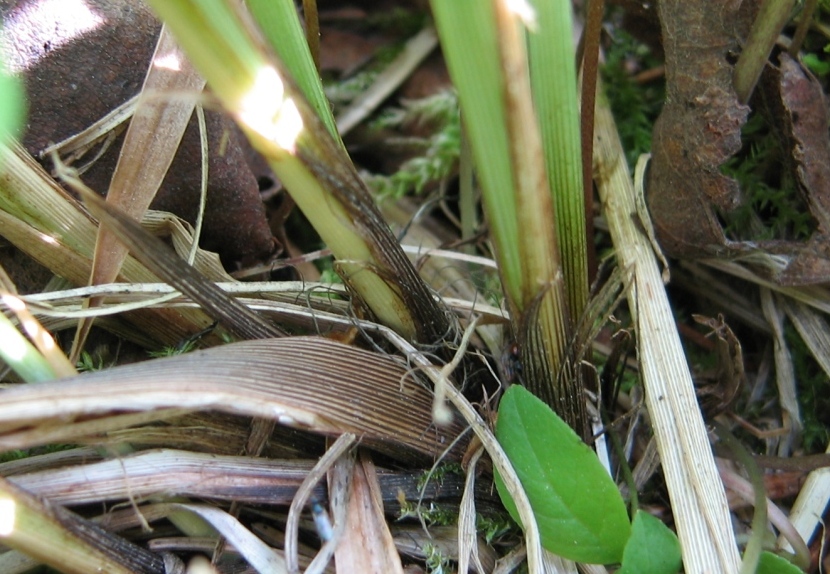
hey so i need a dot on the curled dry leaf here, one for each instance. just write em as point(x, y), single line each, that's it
point(700, 129)
point(728, 378)
point(795, 103)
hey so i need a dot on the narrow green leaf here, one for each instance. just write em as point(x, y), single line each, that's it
point(470, 43)
point(21, 356)
point(579, 511)
point(281, 26)
point(12, 104)
point(552, 59)
point(312, 163)
point(772, 564)
point(652, 548)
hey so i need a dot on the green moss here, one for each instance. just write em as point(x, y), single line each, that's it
point(399, 21)
point(435, 561)
point(772, 207)
point(11, 455)
point(440, 150)
point(342, 92)
point(88, 363)
point(438, 473)
point(496, 526)
point(813, 399)
point(433, 514)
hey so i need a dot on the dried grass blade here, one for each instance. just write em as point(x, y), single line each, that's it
point(784, 372)
point(340, 447)
point(815, 494)
point(151, 142)
point(153, 253)
point(467, 542)
point(367, 545)
point(339, 478)
point(306, 382)
point(697, 495)
point(152, 139)
point(309, 160)
point(262, 557)
point(813, 330)
point(77, 431)
point(173, 473)
point(43, 221)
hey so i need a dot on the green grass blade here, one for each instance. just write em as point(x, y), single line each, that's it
point(484, 47)
point(467, 28)
point(281, 26)
point(21, 356)
point(552, 57)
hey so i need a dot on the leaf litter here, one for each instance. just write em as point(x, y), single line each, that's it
point(690, 199)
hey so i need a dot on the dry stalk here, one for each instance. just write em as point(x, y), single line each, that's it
point(697, 495)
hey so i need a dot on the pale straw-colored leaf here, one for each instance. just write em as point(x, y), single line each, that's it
point(165, 473)
point(149, 147)
point(467, 547)
point(784, 372)
point(814, 496)
point(79, 430)
point(367, 544)
point(259, 555)
point(696, 492)
point(554, 563)
point(151, 142)
point(816, 296)
point(43, 221)
point(339, 449)
point(163, 261)
point(812, 328)
point(510, 561)
point(340, 484)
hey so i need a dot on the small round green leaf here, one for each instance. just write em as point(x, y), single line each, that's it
point(769, 563)
point(579, 511)
point(652, 548)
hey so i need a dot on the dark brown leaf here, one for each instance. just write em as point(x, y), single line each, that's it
point(698, 130)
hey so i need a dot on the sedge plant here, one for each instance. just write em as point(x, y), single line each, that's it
point(523, 128)
point(280, 105)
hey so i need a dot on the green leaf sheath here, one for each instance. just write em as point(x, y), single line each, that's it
point(299, 141)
